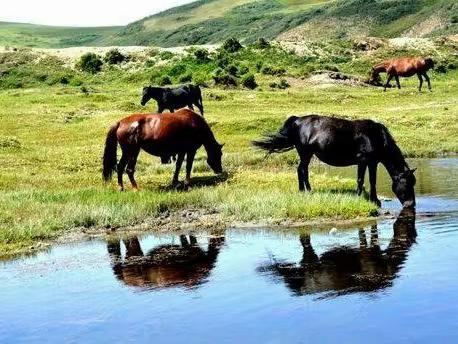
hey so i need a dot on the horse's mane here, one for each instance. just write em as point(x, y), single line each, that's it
point(391, 147)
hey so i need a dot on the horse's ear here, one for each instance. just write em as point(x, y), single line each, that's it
point(221, 146)
point(413, 171)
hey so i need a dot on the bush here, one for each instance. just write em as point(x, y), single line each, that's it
point(202, 55)
point(223, 78)
point(232, 70)
point(166, 55)
point(243, 70)
point(232, 45)
point(261, 43)
point(249, 81)
point(164, 80)
point(90, 63)
point(185, 78)
point(114, 56)
point(283, 84)
point(276, 71)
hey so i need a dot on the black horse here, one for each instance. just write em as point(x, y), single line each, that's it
point(174, 98)
point(340, 142)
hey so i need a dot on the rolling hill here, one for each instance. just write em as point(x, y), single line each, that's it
point(41, 36)
point(212, 21)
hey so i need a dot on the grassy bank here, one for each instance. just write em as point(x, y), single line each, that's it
point(51, 142)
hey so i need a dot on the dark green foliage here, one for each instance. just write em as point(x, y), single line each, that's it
point(261, 43)
point(249, 81)
point(114, 56)
point(270, 70)
point(223, 78)
point(90, 63)
point(231, 45)
point(202, 55)
point(282, 84)
point(165, 55)
point(185, 78)
point(164, 80)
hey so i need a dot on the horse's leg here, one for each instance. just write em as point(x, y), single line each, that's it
point(131, 167)
point(121, 167)
point(133, 247)
point(421, 81)
point(193, 240)
point(362, 239)
point(184, 240)
point(303, 171)
point(388, 80)
point(360, 181)
point(397, 81)
point(373, 181)
point(309, 256)
point(178, 168)
point(428, 81)
point(374, 238)
point(189, 161)
point(200, 106)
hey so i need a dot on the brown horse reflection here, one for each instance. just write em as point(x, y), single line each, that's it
point(345, 270)
point(165, 266)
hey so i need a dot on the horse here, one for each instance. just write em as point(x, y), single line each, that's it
point(344, 270)
point(174, 98)
point(340, 142)
point(164, 266)
point(405, 67)
point(181, 133)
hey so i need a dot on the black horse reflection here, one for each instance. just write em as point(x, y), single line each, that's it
point(186, 265)
point(345, 270)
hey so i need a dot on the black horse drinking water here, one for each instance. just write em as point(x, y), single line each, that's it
point(340, 142)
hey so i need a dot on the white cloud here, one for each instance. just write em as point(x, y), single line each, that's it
point(82, 12)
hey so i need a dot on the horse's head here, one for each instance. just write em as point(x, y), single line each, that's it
point(146, 96)
point(148, 93)
point(403, 187)
point(429, 63)
point(214, 158)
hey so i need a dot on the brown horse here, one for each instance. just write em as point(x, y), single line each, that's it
point(404, 67)
point(181, 133)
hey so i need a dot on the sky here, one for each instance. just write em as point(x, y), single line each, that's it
point(82, 12)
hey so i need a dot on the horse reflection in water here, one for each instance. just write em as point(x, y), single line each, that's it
point(345, 270)
point(165, 266)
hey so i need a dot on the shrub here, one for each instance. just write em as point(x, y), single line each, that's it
point(232, 45)
point(261, 43)
point(283, 84)
point(249, 81)
point(166, 55)
point(276, 71)
point(185, 78)
point(232, 70)
point(200, 79)
point(223, 78)
point(202, 55)
point(164, 80)
point(114, 56)
point(243, 70)
point(90, 63)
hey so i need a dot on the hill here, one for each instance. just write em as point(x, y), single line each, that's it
point(212, 21)
point(30, 35)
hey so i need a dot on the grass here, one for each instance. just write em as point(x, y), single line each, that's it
point(51, 142)
point(30, 35)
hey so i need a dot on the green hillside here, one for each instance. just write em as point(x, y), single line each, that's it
point(29, 35)
point(212, 21)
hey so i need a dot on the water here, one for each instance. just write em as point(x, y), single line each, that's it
point(391, 281)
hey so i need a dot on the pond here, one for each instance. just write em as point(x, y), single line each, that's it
point(391, 280)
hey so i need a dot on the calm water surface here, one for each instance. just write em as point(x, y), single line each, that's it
point(391, 281)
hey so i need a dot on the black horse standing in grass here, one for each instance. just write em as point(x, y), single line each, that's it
point(340, 142)
point(174, 98)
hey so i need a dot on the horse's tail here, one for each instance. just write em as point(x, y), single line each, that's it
point(279, 142)
point(109, 155)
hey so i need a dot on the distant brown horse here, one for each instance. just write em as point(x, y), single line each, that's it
point(404, 67)
point(181, 133)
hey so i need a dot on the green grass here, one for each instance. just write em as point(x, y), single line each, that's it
point(29, 35)
point(51, 142)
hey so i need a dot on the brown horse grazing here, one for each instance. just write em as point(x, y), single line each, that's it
point(405, 67)
point(181, 133)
